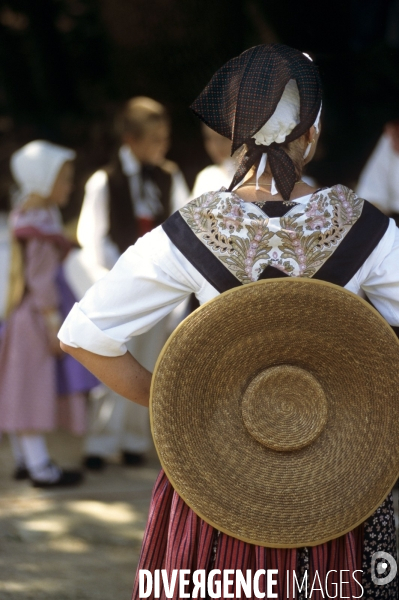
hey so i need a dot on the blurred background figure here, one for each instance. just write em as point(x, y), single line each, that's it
point(38, 297)
point(136, 192)
point(5, 262)
point(379, 180)
point(220, 174)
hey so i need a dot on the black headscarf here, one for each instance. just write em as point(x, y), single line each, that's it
point(243, 95)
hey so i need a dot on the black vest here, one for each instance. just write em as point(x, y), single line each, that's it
point(123, 229)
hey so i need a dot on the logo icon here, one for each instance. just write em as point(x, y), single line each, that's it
point(386, 565)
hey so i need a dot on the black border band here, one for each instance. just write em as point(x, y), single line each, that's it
point(339, 269)
point(355, 248)
point(198, 254)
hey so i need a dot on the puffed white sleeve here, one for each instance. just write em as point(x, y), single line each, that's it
point(149, 280)
point(379, 275)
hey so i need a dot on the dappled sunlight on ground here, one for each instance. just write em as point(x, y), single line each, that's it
point(72, 544)
point(117, 512)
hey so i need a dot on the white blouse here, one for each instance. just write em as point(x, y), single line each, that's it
point(213, 177)
point(153, 277)
point(379, 180)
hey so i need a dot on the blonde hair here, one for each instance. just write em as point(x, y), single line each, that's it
point(295, 151)
point(138, 114)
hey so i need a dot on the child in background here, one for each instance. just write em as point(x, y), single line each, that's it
point(28, 349)
point(135, 193)
point(220, 174)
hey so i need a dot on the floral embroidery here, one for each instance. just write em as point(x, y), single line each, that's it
point(239, 239)
point(246, 240)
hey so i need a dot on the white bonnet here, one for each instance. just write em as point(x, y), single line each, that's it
point(36, 165)
point(284, 119)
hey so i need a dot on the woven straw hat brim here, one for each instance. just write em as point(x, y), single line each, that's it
point(211, 428)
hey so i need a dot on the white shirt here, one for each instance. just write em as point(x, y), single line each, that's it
point(213, 178)
point(152, 277)
point(379, 180)
point(94, 224)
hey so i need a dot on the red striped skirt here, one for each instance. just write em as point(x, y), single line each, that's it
point(176, 538)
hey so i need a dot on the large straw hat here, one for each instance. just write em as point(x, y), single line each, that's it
point(275, 411)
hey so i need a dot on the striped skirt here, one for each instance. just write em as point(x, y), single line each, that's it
point(176, 538)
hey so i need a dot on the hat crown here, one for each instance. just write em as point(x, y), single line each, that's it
point(284, 408)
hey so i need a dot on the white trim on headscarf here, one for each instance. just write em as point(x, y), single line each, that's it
point(284, 119)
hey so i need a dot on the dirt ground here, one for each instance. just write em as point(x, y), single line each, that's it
point(72, 544)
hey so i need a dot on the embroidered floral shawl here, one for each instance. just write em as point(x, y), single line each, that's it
point(246, 240)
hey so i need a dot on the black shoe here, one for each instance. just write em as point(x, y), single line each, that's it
point(66, 478)
point(21, 473)
point(94, 463)
point(132, 459)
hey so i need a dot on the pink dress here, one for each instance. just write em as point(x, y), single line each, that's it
point(28, 374)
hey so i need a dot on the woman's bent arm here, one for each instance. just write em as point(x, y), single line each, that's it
point(123, 374)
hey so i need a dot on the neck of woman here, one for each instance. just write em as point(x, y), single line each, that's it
point(248, 192)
